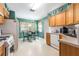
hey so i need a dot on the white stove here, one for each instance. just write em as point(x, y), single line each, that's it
point(9, 43)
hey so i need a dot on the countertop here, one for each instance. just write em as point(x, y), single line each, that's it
point(70, 40)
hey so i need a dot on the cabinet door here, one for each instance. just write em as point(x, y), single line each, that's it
point(69, 15)
point(1, 8)
point(48, 38)
point(60, 19)
point(76, 13)
point(52, 21)
point(2, 50)
point(6, 13)
point(49, 20)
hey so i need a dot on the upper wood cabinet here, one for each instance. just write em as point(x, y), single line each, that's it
point(6, 13)
point(76, 13)
point(52, 21)
point(1, 8)
point(49, 21)
point(69, 15)
point(60, 19)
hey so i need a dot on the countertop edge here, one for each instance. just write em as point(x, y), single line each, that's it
point(69, 43)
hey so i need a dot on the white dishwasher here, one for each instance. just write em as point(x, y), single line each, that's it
point(54, 40)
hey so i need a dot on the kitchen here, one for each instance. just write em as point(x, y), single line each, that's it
point(59, 29)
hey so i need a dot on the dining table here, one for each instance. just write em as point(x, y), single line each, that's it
point(30, 35)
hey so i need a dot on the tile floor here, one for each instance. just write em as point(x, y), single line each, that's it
point(37, 47)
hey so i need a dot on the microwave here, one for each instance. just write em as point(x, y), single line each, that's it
point(69, 31)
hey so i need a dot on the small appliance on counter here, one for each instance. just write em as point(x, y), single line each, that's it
point(69, 30)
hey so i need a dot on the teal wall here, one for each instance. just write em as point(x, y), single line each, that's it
point(36, 26)
point(6, 6)
point(41, 34)
point(59, 9)
point(25, 20)
point(12, 15)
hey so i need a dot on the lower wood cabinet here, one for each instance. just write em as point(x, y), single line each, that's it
point(2, 50)
point(68, 50)
point(48, 38)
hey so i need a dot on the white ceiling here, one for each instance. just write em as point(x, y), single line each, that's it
point(23, 10)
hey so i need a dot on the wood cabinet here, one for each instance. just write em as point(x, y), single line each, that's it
point(49, 19)
point(68, 50)
point(76, 13)
point(48, 38)
point(60, 19)
point(4, 13)
point(52, 21)
point(2, 50)
point(69, 16)
point(1, 9)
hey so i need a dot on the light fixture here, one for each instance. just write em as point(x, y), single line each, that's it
point(35, 6)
